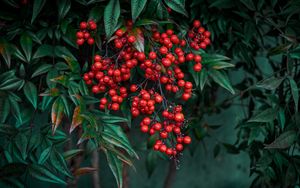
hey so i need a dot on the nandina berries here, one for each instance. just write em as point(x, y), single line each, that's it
point(86, 28)
point(159, 74)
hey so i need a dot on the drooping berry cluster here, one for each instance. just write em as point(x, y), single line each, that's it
point(86, 31)
point(199, 36)
point(145, 102)
point(161, 75)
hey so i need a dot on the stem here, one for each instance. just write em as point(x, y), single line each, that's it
point(171, 175)
point(95, 164)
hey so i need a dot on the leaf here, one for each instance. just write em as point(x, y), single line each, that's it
point(203, 78)
point(116, 167)
point(57, 113)
point(63, 8)
point(63, 52)
point(178, 6)
point(45, 155)
point(220, 65)
point(42, 173)
point(222, 79)
point(37, 7)
point(84, 170)
point(72, 153)
point(265, 116)
point(26, 44)
point(12, 170)
point(22, 142)
point(283, 141)
point(137, 7)
point(30, 92)
point(270, 83)
point(111, 15)
point(295, 92)
point(58, 162)
point(4, 110)
point(77, 119)
point(43, 51)
point(11, 84)
point(140, 42)
point(44, 68)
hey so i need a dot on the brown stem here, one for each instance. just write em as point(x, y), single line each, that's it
point(171, 175)
point(125, 177)
point(95, 164)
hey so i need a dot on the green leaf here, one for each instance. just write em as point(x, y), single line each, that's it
point(222, 79)
point(72, 153)
point(26, 44)
point(63, 52)
point(37, 7)
point(270, 83)
point(203, 78)
point(22, 142)
point(285, 140)
point(220, 65)
point(44, 68)
point(4, 110)
point(43, 51)
point(63, 8)
point(137, 7)
point(295, 92)
point(11, 84)
point(45, 155)
point(265, 116)
point(42, 173)
point(116, 167)
point(111, 15)
point(57, 113)
point(30, 92)
point(178, 6)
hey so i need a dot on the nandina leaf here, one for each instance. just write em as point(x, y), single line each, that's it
point(4, 110)
point(84, 170)
point(45, 155)
point(63, 8)
point(37, 7)
point(295, 92)
point(177, 5)
point(116, 167)
point(137, 7)
point(111, 15)
point(77, 119)
point(265, 116)
point(57, 113)
point(42, 173)
point(283, 141)
point(72, 153)
point(222, 79)
point(270, 83)
point(30, 92)
point(26, 43)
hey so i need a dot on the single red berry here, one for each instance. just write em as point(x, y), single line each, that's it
point(179, 147)
point(115, 106)
point(144, 128)
point(179, 117)
point(197, 67)
point(90, 41)
point(187, 140)
point(131, 39)
point(79, 42)
point(196, 23)
point(83, 25)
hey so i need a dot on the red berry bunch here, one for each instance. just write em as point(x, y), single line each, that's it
point(85, 33)
point(160, 70)
point(169, 131)
point(199, 36)
point(145, 102)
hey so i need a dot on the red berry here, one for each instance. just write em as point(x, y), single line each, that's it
point(90, 41)
point(179, 117)
point(196, 23)
point(187, 140)
point(163, 134)
point(79, 34)
point(115, 106)
point(179, 147)
point(197, 67)
point(80, 42)
point(131, 39)
point(83, 25)
point(144, 128)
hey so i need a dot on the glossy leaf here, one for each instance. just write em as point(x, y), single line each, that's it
point(270, 83)
point(137, 7)
point(265, 116)
point(57, 113)
point(111, 15)
point(295, 92)
point(30, 92)
point(37, 7)
point(26, 43)
point(222, 79)
point(177, 5)
point(285, 140)
point(42, 173)
point(116, 167)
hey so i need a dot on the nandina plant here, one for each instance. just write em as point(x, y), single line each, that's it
point(76, 82)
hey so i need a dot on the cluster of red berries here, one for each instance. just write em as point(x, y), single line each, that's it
point(171, 139)
point(85, 33)
point(145, 102)
point(161, 66)
point(199, 36)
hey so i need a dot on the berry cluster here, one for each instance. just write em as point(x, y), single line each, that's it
point(199, 36)
point(162, 75)
point(145, 102)
point(85, 33)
